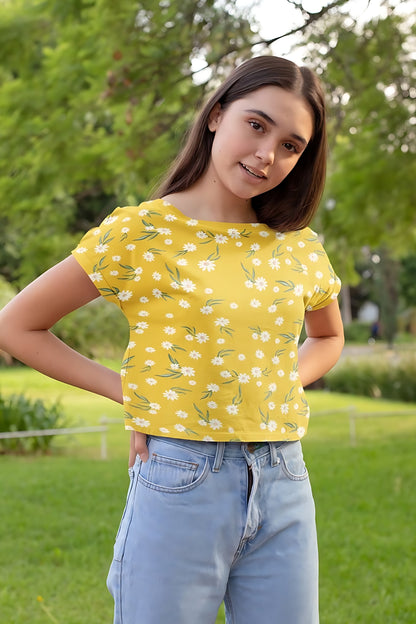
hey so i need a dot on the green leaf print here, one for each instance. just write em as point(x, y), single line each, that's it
point(291, 425)
point(215, 256)
point(180, 390)
point(298, 266)
point(250, 275)
point(305, 407)
point(143, 404)
point(131, 272)
point(105, 240)
point(289, 337)
point(148, 236)
point(190, 330)
point(289, 396)
point(173, 374)
point(204, 417)
point(99, 266)
point(288, 285)
point(174, 274)
point(107, 292)
point(125, 363)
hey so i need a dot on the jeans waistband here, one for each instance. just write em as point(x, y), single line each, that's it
point(220, 450)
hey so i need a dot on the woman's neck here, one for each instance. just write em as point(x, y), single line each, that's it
point(198, 204)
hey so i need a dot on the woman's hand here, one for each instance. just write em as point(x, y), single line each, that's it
point(138, 446)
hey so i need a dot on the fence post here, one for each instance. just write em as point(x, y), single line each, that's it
point(353, 432)
point(104, 444)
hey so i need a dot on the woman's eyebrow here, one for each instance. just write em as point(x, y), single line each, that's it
point(272, 122)
point(261, 113)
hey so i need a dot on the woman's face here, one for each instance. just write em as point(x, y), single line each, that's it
point(258, 140)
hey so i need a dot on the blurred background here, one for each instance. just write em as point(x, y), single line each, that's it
point(95, 97)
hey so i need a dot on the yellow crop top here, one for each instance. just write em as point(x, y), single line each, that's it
point(215, 313)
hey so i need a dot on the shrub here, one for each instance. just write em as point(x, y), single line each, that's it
point(98, 329)
point(385, 378)
point(18, 413)
point(357, 332)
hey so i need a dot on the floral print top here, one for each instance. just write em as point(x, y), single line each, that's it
point(215, 313)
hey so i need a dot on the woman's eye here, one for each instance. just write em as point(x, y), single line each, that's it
point(291, 147)
point(255, 125)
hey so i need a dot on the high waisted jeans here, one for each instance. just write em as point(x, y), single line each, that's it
point(206, 522)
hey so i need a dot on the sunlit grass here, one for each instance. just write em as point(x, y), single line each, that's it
point(59, 513)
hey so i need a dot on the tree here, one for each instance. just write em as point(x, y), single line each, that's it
point(95, 97)
point(369, 71)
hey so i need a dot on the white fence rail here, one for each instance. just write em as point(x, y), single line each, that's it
point(10, 435)
point(351, 412)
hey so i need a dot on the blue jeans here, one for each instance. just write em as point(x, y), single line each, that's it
point(206, 522)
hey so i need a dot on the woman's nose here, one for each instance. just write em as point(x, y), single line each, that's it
point(266, 153)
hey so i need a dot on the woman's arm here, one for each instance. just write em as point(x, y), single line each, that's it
point(24, 332)
point(25, 323)
point(323, 345)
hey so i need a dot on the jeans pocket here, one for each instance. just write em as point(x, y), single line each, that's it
point(173, 468)
point(292, 461)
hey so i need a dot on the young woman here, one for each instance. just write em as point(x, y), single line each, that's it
point(216, 277)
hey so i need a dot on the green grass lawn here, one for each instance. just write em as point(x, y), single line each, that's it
point(59, 513)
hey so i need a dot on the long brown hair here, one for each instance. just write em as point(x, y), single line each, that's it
point(292, 204)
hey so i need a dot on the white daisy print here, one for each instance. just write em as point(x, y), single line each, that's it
point(261, 283)
point(188, 371)
point(274, 263)
point(195, 355)
point(237, 292)
point(171, 395)
point(232, 409)
point(188, 285)
point(141, 422)
point(124, 295)
point(95, 277)
point(184, 304)
point(207, 265)
point(243, 378)
point(189, 247)
point(101, 248)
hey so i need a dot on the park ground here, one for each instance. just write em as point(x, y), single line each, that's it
point(59, 512)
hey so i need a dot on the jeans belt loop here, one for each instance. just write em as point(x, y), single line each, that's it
point(219, 456)
point(274, 457)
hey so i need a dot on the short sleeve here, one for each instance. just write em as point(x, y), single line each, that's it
point(103, 249)
point(326, 285)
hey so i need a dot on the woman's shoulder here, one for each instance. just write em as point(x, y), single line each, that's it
point(303, 237)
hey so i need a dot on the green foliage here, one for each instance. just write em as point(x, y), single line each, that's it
point(357, 332)
point(368, 69)
point(99, 329)
point(384, 378)
point(407, 281)
point(18, 413)
point(94, 100)
point(7, 292)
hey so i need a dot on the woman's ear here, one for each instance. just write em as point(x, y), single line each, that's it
point(214, 117)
